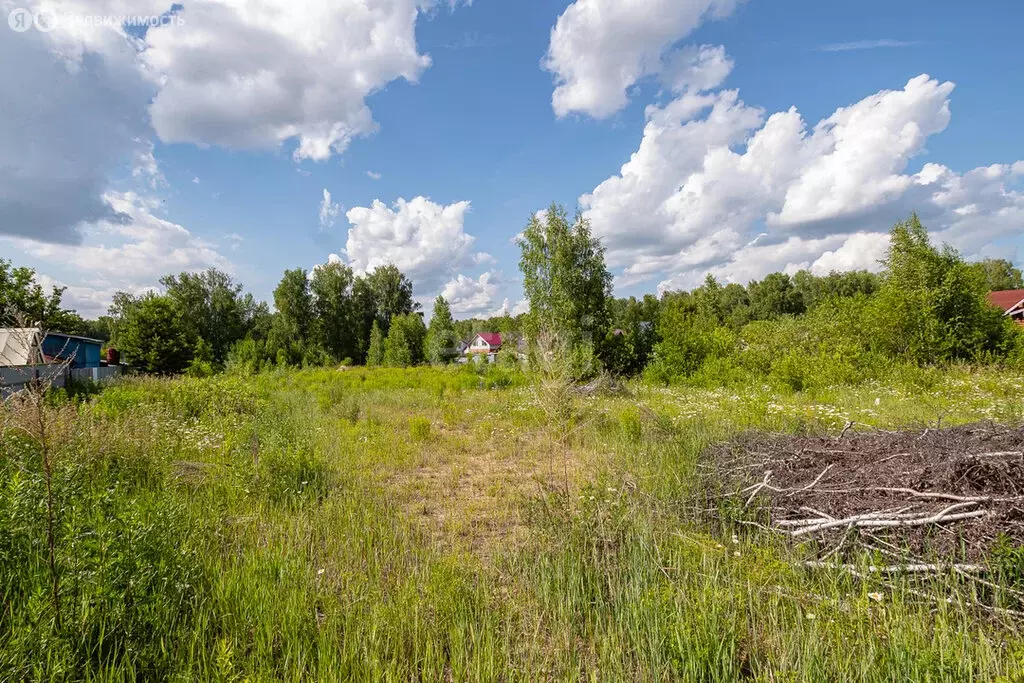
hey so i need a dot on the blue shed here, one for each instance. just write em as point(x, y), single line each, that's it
point(84, 352)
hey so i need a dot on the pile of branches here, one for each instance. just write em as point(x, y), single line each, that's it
point(948, 495)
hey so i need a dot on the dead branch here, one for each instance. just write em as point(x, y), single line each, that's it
point(871, 520)
point(813, 483)
point(911, 568)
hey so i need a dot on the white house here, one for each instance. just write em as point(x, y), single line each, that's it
point(485, 342)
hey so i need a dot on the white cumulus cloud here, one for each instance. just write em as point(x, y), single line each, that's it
point(600, 48)
point(254, 75)
point(715, 186)
point(424, 239)
point(469, 298)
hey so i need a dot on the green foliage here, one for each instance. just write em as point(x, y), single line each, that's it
point(214, 309)
point(153, 336)
point(293, 322)
point(441, 339)
point(815, 290)
point(636, 319)
point(689, 336)
point(564, 278)
point(618, 353)
point(375, 355)
point(404, 343)
point(932, 306)
point(1000, 274)
point(23, 301)
point(775, 296)
point(336, 310)
point(391, 292)
point(249, 357)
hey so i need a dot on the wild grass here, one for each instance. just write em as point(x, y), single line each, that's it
point(428, 524)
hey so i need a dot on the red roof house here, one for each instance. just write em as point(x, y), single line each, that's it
point(1010, 301)
point(485, 342)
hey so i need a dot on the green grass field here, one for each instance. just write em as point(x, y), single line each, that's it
point(436, 525)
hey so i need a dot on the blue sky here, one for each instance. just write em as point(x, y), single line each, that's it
point(208, 175)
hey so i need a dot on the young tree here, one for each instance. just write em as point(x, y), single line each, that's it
point(213, 307)
point(375, 353)
point(932, 305)
point(564, 278)
point(441, 338)
point(404, 343)
point(154, 337)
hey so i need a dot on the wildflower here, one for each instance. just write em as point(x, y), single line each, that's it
point(736, 553)
point(877, 597)
point(735, 540)
point(809, 616)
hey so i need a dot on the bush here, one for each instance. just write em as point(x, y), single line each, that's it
point(154, 338)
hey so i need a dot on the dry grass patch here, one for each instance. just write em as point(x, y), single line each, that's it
point(470, 494)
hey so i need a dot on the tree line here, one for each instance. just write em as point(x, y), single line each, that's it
point(927, 305)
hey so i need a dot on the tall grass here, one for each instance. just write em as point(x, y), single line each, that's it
point(274, 528)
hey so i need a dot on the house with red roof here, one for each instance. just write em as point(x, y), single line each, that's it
point(1011, 302)
point(485, 342)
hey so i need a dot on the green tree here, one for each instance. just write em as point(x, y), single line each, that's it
point(441, 339)
point(564, 278)
point(290, 340)
point(213, 307)
point(404, 343)
point(397, 353)
point(636, 318)
point(364, 315)
point(618, 352)
point(375, 353)
point(392, 294)
point(335, 310)
point(294, 303)
point(688, 336)
point(773, 296)
point(933, 306)
point(815, 289)
point(25, 301)
point(153, 336)
point(1000, 274)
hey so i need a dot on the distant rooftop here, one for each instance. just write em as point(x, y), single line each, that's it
point(1007, 299)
